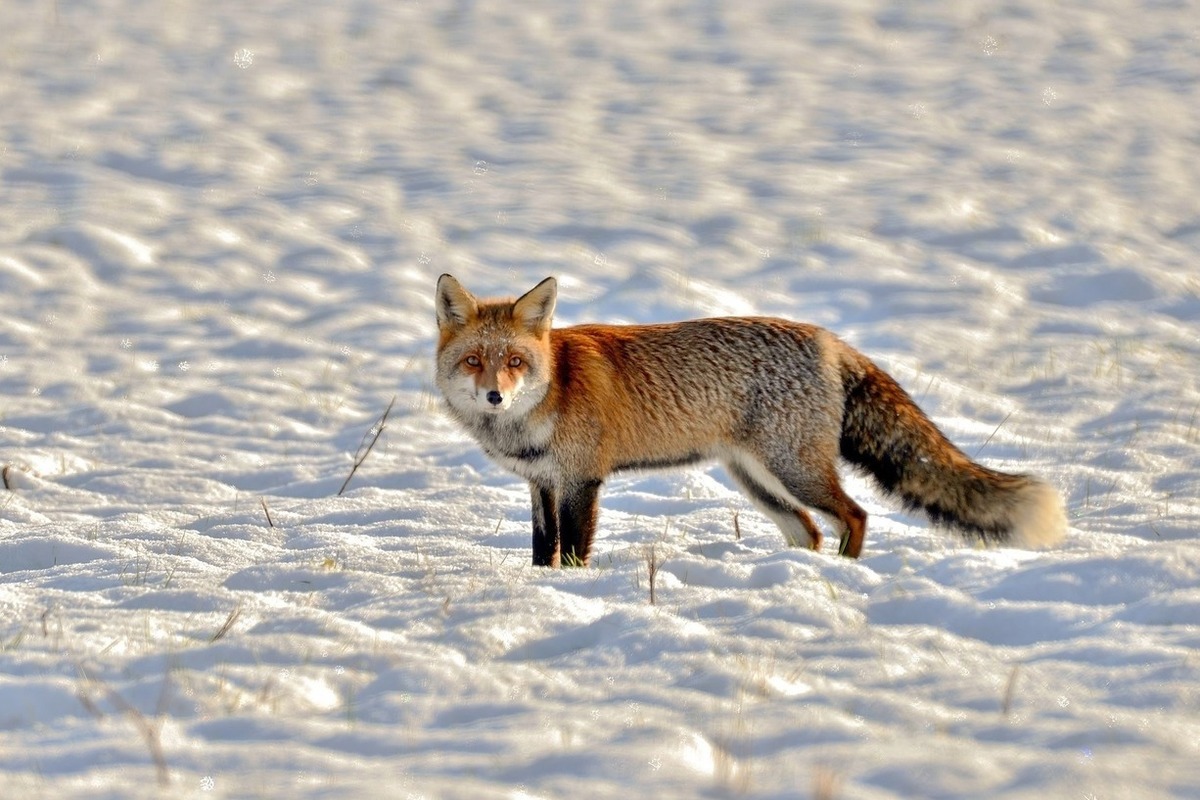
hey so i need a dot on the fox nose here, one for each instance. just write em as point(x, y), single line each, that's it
point(494, 397)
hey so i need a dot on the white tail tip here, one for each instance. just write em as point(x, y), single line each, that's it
point(1040, 521)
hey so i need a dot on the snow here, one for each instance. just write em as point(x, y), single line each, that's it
point(221, 228)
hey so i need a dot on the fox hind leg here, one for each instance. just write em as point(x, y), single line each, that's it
point(824, 493)
point(850, 515)
point(855, 534)
point(783, 486)
point(794, 522)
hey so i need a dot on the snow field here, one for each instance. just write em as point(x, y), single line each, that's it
point(220, 233)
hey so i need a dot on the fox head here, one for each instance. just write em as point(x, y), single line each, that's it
point(493, 356)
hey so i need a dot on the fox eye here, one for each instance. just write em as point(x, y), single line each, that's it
point(472, 361)
point(515, 362)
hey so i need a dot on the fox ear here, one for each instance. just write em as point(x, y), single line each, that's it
point(455, 305)
point(535, 308)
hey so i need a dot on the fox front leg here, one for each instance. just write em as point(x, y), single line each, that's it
point(546, 541)
point(564, 523)
point(578, 507)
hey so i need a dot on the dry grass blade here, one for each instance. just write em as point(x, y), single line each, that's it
point(826, 783)
point(993, 433)
point(1010, 689)
point(653, 562)
point(150, 731)
point(267, 511)
point(365, 448)
point(228, 624)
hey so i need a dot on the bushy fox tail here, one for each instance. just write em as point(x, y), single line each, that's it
point(888, 436)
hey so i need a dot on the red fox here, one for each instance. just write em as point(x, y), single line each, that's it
point(776, 402)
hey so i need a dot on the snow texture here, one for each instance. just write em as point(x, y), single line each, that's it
point(220, 228)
